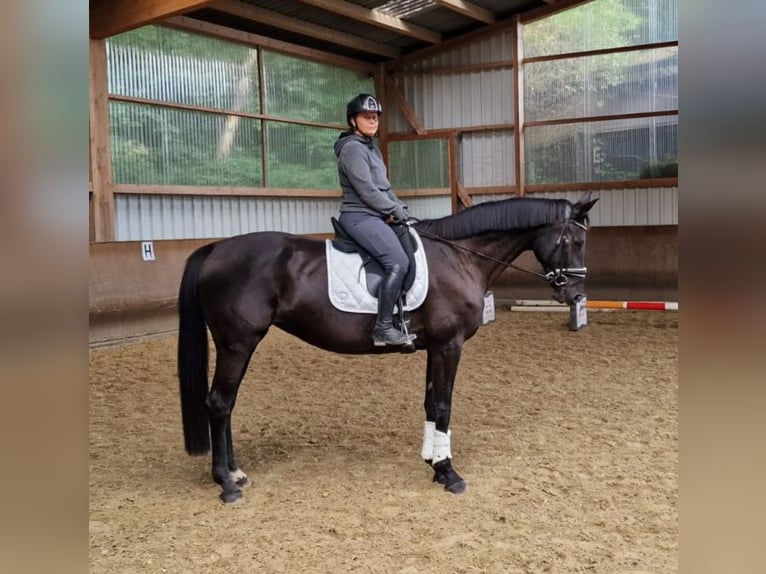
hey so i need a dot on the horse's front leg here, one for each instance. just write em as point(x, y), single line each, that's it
point(441, 369)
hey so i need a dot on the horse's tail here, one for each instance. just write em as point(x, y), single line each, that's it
point(193, 357)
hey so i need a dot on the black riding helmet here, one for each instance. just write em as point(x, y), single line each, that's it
point(362, 103)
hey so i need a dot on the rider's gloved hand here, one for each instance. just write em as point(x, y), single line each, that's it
point(400, 214)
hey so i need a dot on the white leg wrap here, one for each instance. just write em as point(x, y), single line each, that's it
point(237, 475)
point(441, 446)
point(427, 451)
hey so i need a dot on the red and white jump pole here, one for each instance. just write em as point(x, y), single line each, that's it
point(542, 305)
point(638, 305)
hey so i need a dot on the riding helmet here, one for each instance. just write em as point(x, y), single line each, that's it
point(362, 103)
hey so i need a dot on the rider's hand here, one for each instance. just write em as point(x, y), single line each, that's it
point(400, 214)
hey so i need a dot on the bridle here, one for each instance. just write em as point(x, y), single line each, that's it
point(557, 277)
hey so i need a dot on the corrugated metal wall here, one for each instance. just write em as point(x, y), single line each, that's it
point(448, 100)
point(618, 207)
point(153, 217)
point(429, 207)
point(486, 159)
point(622, 207)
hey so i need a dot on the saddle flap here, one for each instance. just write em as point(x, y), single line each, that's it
point(352, 287)
point(344, 243)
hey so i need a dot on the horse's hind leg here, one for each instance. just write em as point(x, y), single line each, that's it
point(230, 367)
point(234, 471)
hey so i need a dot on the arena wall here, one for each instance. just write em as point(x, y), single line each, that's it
point(132, 297)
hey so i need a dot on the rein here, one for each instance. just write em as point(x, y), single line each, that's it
point(557, 277)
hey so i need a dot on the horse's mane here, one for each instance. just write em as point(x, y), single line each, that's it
point(518, 213)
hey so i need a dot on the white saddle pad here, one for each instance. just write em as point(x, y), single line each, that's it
point(347, 280)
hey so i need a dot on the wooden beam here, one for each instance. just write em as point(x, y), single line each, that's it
point(221, 111)
point(430, 134)
point(261, 16)
point(143, 189)
point(110, 17)
point(463, 196)
point(248, 39)
point(603, 185)
point(382, 94)
point(468, 9)
point(424, 192)
point(492, 190)
point(223, 191)
point(405, 108)
point(518, 105)
point(549, 10)
point(450, 44)
point(100, 146)
point(601, 52)
point(376, 18)
point(454, 184)
point(264, 131)
point(445, 133)
point(584, 119)
point(464, 69)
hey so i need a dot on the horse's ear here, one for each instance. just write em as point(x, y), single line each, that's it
point(583, 205)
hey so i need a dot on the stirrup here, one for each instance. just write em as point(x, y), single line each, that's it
point(391, 336)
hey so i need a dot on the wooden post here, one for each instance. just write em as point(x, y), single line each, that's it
point(518, 105)
point(262, 110)
point(100, 145)
point(382, 94)
point(453, 182)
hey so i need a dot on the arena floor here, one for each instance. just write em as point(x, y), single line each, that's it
point(568, 442)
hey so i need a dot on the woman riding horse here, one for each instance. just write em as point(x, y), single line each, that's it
point(369, 206)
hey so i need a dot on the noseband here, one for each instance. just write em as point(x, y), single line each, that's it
point(559, 277)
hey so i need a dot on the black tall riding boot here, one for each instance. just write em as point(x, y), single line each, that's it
point(384, 332)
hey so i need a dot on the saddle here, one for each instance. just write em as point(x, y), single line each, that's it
point(373, 270)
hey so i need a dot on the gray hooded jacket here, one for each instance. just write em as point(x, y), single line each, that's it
point(363, 178)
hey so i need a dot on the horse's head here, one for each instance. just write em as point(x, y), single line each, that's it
point(560, 249)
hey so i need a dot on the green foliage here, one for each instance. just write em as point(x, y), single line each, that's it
point(166, 146)
point(558, 88)
point(665, 168)
point(593, 26)
point(419, 164)
point(590, 85)
point(306, 90)
point(168, 41)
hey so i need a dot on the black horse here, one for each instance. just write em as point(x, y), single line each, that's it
point(240, 286)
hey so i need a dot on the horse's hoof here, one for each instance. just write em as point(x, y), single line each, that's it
point(457, 487)
point(445, 475)
point(440, 478)
point(231, 497)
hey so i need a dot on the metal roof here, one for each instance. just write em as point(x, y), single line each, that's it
point(368, 30)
